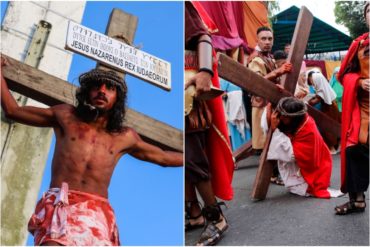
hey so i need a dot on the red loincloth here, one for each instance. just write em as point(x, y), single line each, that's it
point(313, 158)
point(73, 218)
point(351, 114)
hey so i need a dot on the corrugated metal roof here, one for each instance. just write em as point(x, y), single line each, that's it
point(323, 37)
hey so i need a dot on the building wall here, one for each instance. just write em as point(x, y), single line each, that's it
point(24, 150)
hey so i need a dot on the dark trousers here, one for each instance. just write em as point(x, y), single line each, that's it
point(357, 168)
point(196, 161)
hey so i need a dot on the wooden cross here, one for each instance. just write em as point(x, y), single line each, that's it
point(51, 90)
point(256, 84)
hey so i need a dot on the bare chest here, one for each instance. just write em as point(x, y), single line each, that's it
point(85, 145)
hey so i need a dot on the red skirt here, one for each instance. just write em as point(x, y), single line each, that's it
point(73, 218)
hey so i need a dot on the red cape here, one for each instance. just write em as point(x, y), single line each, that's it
point(351, 115)
point(219, 148)
point(313, 158)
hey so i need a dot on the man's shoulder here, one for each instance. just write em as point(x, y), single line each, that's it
point(126, 133)
point(128, 138)
point(255, 57)
point(63, 107)
point(63, 110)
point(257, 65)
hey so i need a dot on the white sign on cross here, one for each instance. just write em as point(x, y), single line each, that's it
point(118, 55)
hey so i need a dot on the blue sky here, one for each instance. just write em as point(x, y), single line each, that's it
point(147, 199)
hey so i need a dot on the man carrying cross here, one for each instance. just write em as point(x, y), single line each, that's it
point(309, 150)
point(262, 62)
point(90, 139)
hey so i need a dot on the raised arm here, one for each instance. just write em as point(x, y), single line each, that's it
point(148, 152)
point(34, 116)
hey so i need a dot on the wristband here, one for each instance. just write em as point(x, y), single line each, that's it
point(205, 41)
point(205, 54)
point(206, 70)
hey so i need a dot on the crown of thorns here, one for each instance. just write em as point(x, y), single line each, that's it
point(101, 76)
point(283, 112)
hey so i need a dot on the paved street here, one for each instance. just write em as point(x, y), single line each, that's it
point(286, 219)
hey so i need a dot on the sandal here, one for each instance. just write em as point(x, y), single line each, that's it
point(277, 180)
point(212, 234)
point(188, 218)
point(350, 207)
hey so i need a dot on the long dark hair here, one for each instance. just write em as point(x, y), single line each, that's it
point(88, 113)
point(293, 108)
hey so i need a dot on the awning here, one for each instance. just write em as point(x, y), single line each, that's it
point(323, 37)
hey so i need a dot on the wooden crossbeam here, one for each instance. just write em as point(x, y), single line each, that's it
point(51, 90)
point(250, 81)
point(243, 152)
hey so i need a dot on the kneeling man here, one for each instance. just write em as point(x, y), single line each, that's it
point(311, 171)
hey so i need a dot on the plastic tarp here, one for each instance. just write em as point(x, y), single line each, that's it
point(255, 16)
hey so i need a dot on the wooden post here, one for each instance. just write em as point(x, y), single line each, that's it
point(24, 148)
point(122, 27)
point(33, 145)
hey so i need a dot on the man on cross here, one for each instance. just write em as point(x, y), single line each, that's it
point(90, 139)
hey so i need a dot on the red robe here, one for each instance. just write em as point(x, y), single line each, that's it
point(351, 115)
point(313, 158)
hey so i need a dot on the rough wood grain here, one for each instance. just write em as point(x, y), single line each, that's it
point(51, 90)
point(289, 82)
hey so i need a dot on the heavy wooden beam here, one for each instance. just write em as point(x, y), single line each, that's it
point(247, 79)
point(264, 172)
point(243, 152)
point(298, 48)
point(289, 82)
point(256, 84)
point(51, 90)
point(250, 81)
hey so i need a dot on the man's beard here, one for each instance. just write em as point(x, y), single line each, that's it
point(92, 113)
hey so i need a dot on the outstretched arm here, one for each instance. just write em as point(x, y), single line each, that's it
point(34, 116)
point(148, 152)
